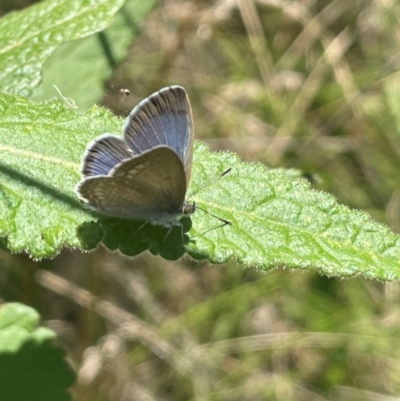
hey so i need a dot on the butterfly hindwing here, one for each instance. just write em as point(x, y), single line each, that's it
point(145, 186)
point(103, 154)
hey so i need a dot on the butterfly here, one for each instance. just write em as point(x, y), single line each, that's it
point(144, 175)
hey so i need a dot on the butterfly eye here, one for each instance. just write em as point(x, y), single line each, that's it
point(189, 208)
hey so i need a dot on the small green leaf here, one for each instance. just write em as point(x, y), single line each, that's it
point(32, 367)
point(80, 68)
point(277, 220)
point(29, 37)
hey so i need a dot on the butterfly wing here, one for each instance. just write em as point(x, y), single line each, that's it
point(103, 154)
point(144, 187)
point(164, 118)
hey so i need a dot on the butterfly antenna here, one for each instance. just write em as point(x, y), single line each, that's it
point(208, 183)
point(223, 221)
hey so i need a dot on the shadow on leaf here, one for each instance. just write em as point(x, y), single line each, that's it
point(33, 363)
point(132, 237)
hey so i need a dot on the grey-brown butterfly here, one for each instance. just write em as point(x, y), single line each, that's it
point(144, 175)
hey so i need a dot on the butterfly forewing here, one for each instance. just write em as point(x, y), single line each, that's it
point(147, 186)
point(164, 118)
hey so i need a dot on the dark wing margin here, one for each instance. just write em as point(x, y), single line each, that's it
point(142, 187)
point(164, 118)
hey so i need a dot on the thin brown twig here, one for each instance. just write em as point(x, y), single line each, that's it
point(130, 326)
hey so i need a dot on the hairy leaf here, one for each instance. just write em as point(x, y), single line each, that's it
point(277, 220)
point(80, 68)
point(29, 37)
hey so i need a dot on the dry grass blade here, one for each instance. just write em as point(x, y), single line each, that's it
point(257, 40)
point(130, 326)
point(336, 49)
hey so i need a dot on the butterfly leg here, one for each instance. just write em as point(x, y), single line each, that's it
point(178, 224)
point(141, 226)
point(169, 232)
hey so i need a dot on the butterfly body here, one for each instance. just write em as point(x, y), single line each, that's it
point(144, 175)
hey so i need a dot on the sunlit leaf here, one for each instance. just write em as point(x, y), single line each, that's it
point(277, 220)
point(29, 37)
point(80, 68)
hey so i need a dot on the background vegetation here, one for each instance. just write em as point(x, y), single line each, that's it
point(309, 84)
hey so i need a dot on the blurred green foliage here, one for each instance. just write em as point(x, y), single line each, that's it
point(311, 85)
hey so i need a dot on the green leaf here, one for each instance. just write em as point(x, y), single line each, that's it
point(80, 68)
point(41, 146)
point(277, 220)
point(32, 367)
point(29, 37)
